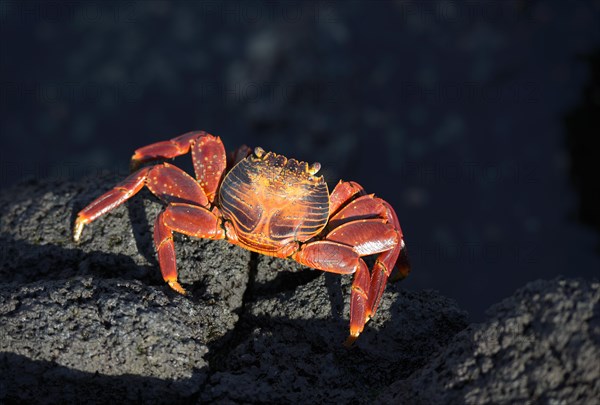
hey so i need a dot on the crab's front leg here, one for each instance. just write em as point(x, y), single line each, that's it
point(187, 211)
point(110, 200)
point(188, 219)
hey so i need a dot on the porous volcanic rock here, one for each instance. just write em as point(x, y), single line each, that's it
point(94, 321)
point(540, 345)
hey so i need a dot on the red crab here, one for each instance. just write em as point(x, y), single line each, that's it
point(268, 204)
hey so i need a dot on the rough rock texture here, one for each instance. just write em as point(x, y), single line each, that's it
point(67, 339)
point(293, 352)
point(95, 322)
point(98, 314)
point(541, 345)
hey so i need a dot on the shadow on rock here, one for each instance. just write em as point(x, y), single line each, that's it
point(23, 262)
point(38, 381)
point(289, 349)
point(540, 345)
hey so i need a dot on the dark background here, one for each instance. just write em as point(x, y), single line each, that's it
point(477, 121)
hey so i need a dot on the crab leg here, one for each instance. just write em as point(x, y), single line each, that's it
point(367, 237)
point(337, 258)
point(385, 263)
point(208, 156)
point(343, 192)
point(170, 149)
point(359, 209)
point(165, 250)
point(167, 182)
point(110, 200)
point(237, 155)
point(366, 206)
point(189, 220)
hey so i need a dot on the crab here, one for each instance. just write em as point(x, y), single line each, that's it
point(265, 203)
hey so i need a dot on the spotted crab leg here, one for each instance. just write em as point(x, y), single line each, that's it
point(189, 220)
point(167, 182)
point(343, 192)
point(369, 206)
point(208, 156)
point(370, 226)
point(173, 186)
point(341, 252)
point(110, 200)
point(338, 258)
point(386, 261)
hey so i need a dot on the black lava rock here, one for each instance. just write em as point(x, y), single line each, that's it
point(541, 345)
point(94, 322)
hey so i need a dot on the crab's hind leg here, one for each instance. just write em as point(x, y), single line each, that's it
point(208, 156)
point(365, 237)
point(338, 258)
point(386, 261)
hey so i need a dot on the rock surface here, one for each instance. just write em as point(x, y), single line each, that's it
point(541, 345)
point(291, 349)
point(71, 339)
point(94, 322)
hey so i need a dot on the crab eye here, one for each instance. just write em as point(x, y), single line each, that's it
point(314, 168)
point(259, 152)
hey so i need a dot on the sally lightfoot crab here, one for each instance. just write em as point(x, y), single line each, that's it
point(268, 204)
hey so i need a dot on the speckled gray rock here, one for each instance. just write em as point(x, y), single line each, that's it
point(313, 319)
point(95, 321)
point(541, 345)
point(36, 242)
point(89, 338)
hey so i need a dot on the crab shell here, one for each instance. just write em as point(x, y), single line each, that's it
point(273, 203)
